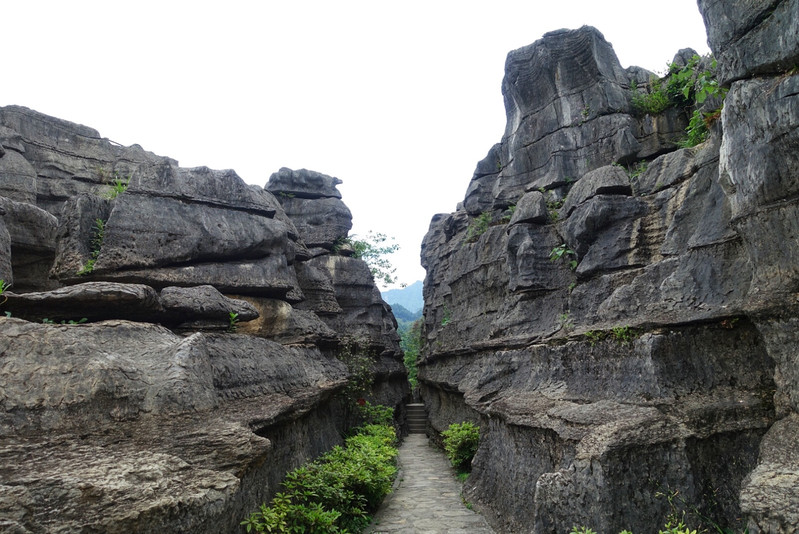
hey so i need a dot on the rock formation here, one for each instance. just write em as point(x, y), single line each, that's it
point(619, 314)
point(172, 340)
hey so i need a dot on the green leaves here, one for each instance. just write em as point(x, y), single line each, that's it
point(460, 443)
point(335, 493)
point(563, 251)
point(373, 250)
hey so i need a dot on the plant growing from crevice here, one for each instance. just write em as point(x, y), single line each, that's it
point(118, 186)
point(71, 321)
point(447, 318)
point(565, 322)
point(478, 226)
point(508, 215)
point(685, 87)
point(623, 334)
point(98, 235)
point(233, 322)
point(3, 288)
point(563, 251)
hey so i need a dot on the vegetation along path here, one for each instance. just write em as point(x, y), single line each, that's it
point(427, 498)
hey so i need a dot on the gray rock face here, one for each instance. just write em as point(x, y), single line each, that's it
point(752, 37)
point(314, 204)
point(626, 332)
point(160, 363)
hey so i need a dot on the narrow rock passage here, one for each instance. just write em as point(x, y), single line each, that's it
point(427, 498)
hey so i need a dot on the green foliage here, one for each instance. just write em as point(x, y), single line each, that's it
point(3, 288)
point(623, 334)
point(376, 414)
point(581, 530)
point(595, 336)
point(233, 322)
point(563, 251)
point(336, 492)
point(565, 322)
point(118, 186)
point(508, 215)
point(696, 132)
point(360, 364)
point(652, 102)
point(373, 250)
point(98, 234)
point(478, 226)
point(411, 344)
point(447, 317)
point(460, 443)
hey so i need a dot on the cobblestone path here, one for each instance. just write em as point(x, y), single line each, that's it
point(428, 497)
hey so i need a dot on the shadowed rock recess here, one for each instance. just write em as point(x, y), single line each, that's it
point(168, 354)
point(620, 336)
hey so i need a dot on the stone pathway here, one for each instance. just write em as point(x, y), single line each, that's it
point(427, 498)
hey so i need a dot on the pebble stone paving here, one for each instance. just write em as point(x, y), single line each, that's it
point(427, 498)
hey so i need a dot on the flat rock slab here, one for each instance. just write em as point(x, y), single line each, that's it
point(428, 497)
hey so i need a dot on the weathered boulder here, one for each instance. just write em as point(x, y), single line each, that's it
point(313, 203)
point(89, 301)
point(32, 234)
point(288, 183)
point(200, 469)
point(203, 305)
point(752, 38)
point(17, 176)
point(288, 325)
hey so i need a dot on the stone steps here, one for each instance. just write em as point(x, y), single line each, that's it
point(416, 418)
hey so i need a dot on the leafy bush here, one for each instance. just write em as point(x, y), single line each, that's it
point(336, 492)
point(460, 443)
point(374, 251)
point(377, 414)
point(118, 186)
point(98, 235)
point(478, 226)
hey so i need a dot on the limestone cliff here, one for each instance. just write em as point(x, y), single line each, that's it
point(172, 340)
point(617, 313)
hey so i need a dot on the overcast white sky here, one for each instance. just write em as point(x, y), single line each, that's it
point(398, 99)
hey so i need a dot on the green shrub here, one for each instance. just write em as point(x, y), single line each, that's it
point(377, 414)
point(460, 443)
point(337, 491)
point(478, 226)
point(98, 235)
point(118, 186)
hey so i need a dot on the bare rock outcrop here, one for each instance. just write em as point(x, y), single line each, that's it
point(161, 367)
point(617, 312)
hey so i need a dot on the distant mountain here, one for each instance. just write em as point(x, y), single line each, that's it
point(409, 297)
point(402, 314)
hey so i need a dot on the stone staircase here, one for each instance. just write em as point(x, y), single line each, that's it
point(417, 418)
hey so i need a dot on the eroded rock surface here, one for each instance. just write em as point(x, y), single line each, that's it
point(161, 367)
point(622, 328)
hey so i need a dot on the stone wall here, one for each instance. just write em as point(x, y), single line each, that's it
point(616, 311)
point(168, 353)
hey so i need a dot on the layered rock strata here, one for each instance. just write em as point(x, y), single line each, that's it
point(171, 343)
point(616, 311)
